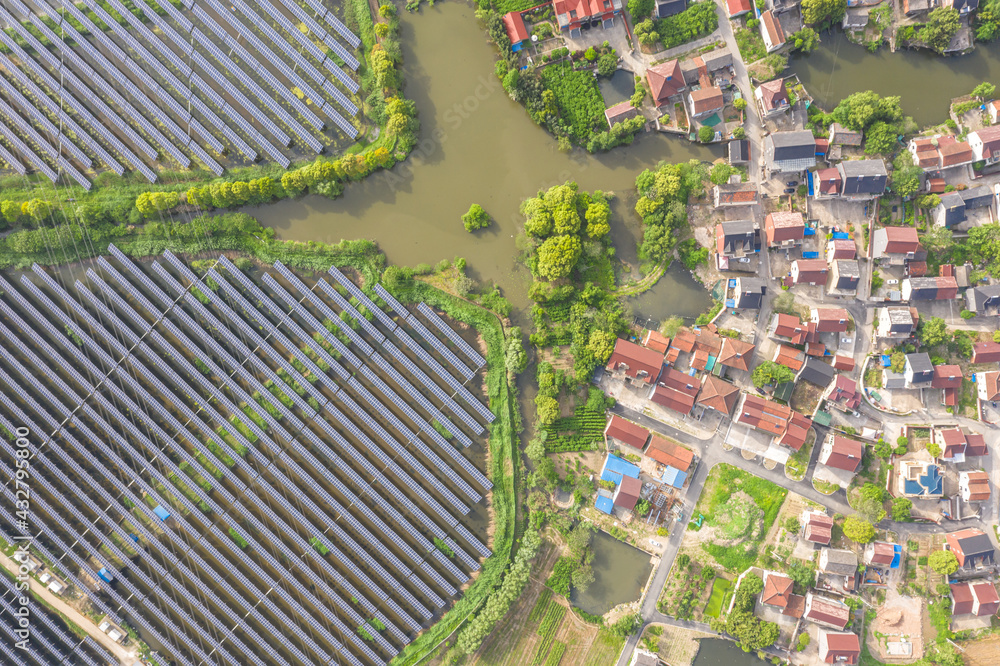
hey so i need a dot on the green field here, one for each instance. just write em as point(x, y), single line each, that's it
point(714, 606)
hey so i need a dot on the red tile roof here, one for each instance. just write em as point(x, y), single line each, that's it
point(986, 352)
point(670, 453)
point(773, 28)
point(818, 528)
point(789, 357)
point(789, 326)
point(843, 248)
point(684, 340)
point(990, 136)
point(831, 320)
point(845, 454)
point(619, 112)
point(665, 80)
point(676, 390)
point(772, 93)
point(926, 153)
point(986, 594)
point(736, 354)
point(990, 381)
point(953, 151)
point(883, 554)
point(626, 432)
point(635, 359)
point(839, 648)
point(975, 445)
point(937, 185)
point(809, 271)
point(516, 30)
point(656, 342)
point(979, 486)
point(845, 363)
point(947, 376)
point(776, 590)
point(628, 493)
point(956, 539)
point(788, 426)
point(815, 349)
point(901, 240)
point(916, 268)
point(706, 99)
point(827, 611)
point(784, 226)
point(961, 598)
point(718, 394)
point(737, 7)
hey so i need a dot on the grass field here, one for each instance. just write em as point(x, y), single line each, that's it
point(719, 589)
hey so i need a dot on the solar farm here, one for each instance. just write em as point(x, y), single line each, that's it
point(195, 85)
point(244, 468)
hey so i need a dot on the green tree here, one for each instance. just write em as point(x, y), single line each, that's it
point(984, 91)
point(937, 239)
point(706, 134)
point(11, 211)
point(601, 344)
point(820, 11)
point(942, 24)
point(858, 529)
point(583, 577)
point(943, 562)
point(769, 372)
point(861, 109)
point(739, 104)
point(476, 218)
point(515, 358)
point(36, 209)
point(905, 177)
point(901, 507)
point(598, 219)
point(803, 574)
point(805, 40)
point(557, 256)
point(720, 173)
point(548, 409)
point(640, 9)
point(881, 138)
point(739, 133)
point(932, 332)
point(607, 64)
point(883, 449)
point(395, 278)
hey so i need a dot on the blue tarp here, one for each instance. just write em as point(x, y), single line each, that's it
point(615, 468)
point(897, 553)
point(673, 477)
point(161, 513)
point(730, 303)
point(604, 504)
point(105, 575)
point(810, 231)
point(732, 283)
point(516, 47)
point(810, 255)
point(841, 235)
point(886, 360)
point(809, 181)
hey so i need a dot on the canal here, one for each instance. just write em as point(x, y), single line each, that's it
point(476, 146)
point(925, 82)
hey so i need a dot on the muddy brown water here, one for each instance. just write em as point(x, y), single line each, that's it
point(620, 571)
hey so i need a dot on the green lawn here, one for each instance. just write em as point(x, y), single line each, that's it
point(714, 606)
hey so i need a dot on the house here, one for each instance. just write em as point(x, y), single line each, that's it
point(949, 379)
point(840, 248)
point(789, 327)
point(573, 15)
point(738, 7)
point(994, 110)
point(845, 276)
point(816, 372)
point(808, 271)
point(986, 352)
point(736, 354)
point(739, 152)
point(669, 453)
point(837, 562)
point(988, 385)
point(949, 211)
point(615, 469)
point(957, 445)
point(735, 194)
point(665, 80)
point(736, 239)
point(643, 658)
point(842, 363)
point(827, 183)
point(841, 136)
point(620, 113)
point(896, 323)
point(665, 8)
point(840, 647)
point(784, 229)
point(772, 97)
point(653, 340)
point(719, 395)
point(627, 493)
point(882, 554)
point(972, 548)
point(844, 393)
point(516, 30)
point(791, 151)
point(635, 362)
point(818, 527)
point(919, 478)
point(789, 357)
point(962, 6)
point(841, 453)
point(954, 153)
point(626, 432)
point(974, 486)
point(919, 371)
point(911, 7)
point(977, 197)
point(826, 612)
point(53, 582)
point(935, 185)
point(749, 293)
point(830, 320)
point(925, 153)
point(788, 427)
point(930, 288)
point(974, 597)
point(777, 592)
point(676, 390)
point(704, 101)
point(985, 144)
point(895, 244)
point(863, 179)
point(771, 31)
point(982, 299)
point(940, 152)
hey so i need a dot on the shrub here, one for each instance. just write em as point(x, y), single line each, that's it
point(476, 218)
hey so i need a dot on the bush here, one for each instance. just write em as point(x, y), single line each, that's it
point(706, 134)
point(476, 218)
point(943, 562)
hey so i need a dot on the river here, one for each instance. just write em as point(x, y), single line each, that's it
point(925, 82)
point(476, 146)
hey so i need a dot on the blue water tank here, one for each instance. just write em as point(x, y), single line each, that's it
point(161, 513)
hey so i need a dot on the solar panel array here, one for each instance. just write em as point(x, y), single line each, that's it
point(238, 416)
point(126, 95)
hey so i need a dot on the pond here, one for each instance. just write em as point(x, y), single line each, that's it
point(618, 88)
point(620, 571)
point(476, 146)
point(925, 82)
point(720, 652)
point(677, 294)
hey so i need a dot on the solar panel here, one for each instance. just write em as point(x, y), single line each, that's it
point(455, 338)
point(439, 347)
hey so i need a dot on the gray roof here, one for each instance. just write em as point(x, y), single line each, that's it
point(817, 372)
point(794, 145)
point(977, 299)
point(900, 320)
point(739, 151)
point(951, 210)
point(718, 59)
point(750, 292)
point(840, 561)
point(863, 177)
point(977, 197)
point(848, 267)
point(841, 135)
point(892, 379)
point(738, 235)
point(919, 363)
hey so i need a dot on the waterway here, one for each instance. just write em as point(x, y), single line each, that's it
point(620, 571)
point(476, 146)
point(925, 82)
point(720, 652)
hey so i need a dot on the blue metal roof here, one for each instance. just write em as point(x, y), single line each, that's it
point(615, 468)
point(897, 553)
point(674, 477)
point(809, 231)
point(928, 484)
point(604, 504)
point(841, 235)
point(161, 513)
point(886, 360)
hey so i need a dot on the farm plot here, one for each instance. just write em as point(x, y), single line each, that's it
point(229, 452)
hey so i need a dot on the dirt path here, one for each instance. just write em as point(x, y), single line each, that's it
point(127, 656)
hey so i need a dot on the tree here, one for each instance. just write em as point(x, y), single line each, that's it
point(739, 133)
point(557, 256)
point(36, 209)
point(670, 327)
point(720, 173)
point(937, 239)
point(11, 211)
point(858, 529)
point(803, 574)
point(943, 562)
point(548, 409)
point(640, 9)
point(818, 11)
point(769, 372)
point(901, 509)
point(861, 109)
point(476, 218)
point(934, 449)
point(942, 24)
point(583, 577)
point(598, 219)
point(515, 358)
point(932, 332)
point(883, 449)
point(881, 138)
point(905, 177)
point(705, 134)
point(642, 507)
point(805, 40)
point(984, 91)
point(607, 64)
point(535, 450)
point(739, 104)
point(683, 560)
